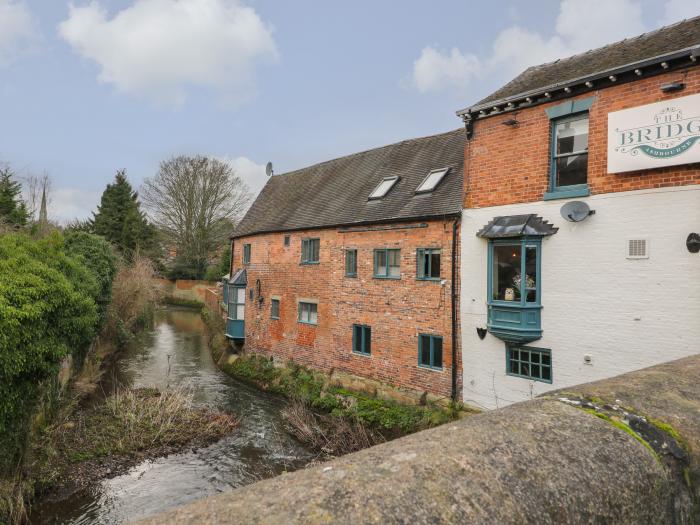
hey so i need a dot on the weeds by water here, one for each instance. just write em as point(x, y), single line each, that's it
point(332, 436)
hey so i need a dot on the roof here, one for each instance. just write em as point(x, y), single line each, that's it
point(239, 278)
point(516, 226)
point(681, 36)
point(335, 193)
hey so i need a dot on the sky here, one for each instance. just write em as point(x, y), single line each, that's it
point(91, 87)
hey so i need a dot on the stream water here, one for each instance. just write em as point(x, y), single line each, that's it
point(175, 351)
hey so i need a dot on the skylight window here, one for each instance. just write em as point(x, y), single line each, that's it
point(383, 188)
point(432, 180)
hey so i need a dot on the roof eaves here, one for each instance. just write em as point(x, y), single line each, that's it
point(683, 58)
point(346, 224)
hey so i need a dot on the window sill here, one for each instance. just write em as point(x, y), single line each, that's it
point(431, 368)
point(385, 277)
point(351, 276)
point(361, 354)
point(574, 191)
point(307, 323)
point(549, 382)
point(274, 318)
point(308, 263)
point(429, 279)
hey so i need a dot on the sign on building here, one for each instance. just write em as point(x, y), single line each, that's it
point(654, 136)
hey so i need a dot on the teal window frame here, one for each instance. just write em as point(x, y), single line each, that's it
point(309, 254)
point(351, 262)
point(246, 253)
point(568, 111)
point(301, 307)
point(432, 342)
point(361, 339)
point(521, 362)
point(386, 275)
point(234, 304)
point(274, 312)
point(420, 254)
point(516, 321)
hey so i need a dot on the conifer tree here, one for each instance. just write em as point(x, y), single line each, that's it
point(119, 218)
point(13, 210)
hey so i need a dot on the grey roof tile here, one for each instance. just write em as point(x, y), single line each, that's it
point(656, 43)
point(335, 193)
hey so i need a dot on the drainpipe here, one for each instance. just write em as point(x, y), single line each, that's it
point(230, 266)
point(454, 307)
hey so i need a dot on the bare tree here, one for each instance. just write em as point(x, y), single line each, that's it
point(195, 201)
point(37, 188)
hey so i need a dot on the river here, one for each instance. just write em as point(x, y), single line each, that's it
point(174, 352)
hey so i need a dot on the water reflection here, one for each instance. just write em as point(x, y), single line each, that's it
point(174, 352)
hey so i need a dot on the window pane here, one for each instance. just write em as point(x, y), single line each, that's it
point(546, 360)
point(313, 313)
point(431, 180)
point(421, 263)
point(546, 373)
point(240, 312)
point(531, 273)
point(380, 262)
point(572, 170)
point(435, 264)
point(356, 338)
point(368, 340)
point(513, 367)
point(424, 355)
point(351, 262)
point(383, 188)
point(275, 308)
point(304, 250)
point(394, 263)
point(535, 371)
point(506, 272)
point(240, 295)
point(571, 136)
point(316, 245)
point(437, 352)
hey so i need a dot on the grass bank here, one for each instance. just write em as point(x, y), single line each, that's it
point(331, 419)
point(108, 438)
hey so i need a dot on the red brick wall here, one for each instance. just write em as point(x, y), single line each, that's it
point(510, 164)
point(397, 310)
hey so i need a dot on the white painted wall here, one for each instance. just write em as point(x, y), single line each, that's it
point(626, 314)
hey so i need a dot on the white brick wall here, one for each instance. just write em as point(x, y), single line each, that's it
point(625, 313)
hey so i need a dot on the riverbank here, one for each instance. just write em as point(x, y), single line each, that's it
point(172, 353)
point(107, 439)
point(331, 419)
point(93, 430)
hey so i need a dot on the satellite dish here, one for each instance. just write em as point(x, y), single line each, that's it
point(576, 211)
point(268, 169)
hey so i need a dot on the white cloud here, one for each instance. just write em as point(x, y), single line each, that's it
point(18, 30)
point(434, 70)
point(580, 25)
point(158, 48)
point(67, 204)
point(251, 173)
point(676, 10)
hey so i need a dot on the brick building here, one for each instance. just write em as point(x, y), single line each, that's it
point(581, 219)
point(348, 266)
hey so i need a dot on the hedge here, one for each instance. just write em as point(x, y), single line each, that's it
point(48, 310)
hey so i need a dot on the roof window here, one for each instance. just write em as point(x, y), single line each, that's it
point(383, 188)
point(432, 180)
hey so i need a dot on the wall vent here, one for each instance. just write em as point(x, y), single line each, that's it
point(637, 249)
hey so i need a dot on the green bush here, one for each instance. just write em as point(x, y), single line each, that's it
point(48, 310)
point(95, 253)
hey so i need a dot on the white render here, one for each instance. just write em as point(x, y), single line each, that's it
point(624, 313)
